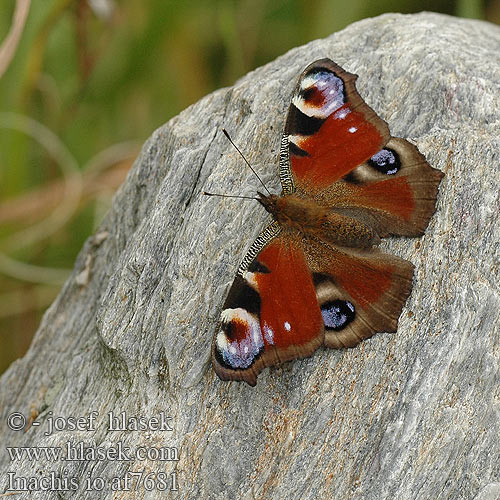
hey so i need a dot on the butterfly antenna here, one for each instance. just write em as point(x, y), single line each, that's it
point(246, 161)
point(230, 196)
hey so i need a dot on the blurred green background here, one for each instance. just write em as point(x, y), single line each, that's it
point(90, 80)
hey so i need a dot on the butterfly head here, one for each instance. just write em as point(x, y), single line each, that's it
point(291, 211)
point(269, 202)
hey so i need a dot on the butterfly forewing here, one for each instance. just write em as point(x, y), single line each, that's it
point(271, 313)
point(330, 129)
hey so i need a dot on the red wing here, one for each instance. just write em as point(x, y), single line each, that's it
point(394, 192)
point(330, 129)
point(271, 314)
point(359, 292)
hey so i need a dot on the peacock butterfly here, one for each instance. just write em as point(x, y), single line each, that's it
point(312, 277)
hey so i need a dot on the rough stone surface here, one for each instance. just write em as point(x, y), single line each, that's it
point(411, 415)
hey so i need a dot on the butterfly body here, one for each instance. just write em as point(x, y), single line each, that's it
point(307, 217)
point(314, 277)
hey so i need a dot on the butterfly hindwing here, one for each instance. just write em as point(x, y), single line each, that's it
point(394, 192)
point(360, 292)
point(271, 314)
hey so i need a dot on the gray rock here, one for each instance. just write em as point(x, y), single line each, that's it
point(411, 415)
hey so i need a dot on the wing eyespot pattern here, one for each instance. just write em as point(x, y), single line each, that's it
point(337, 314)
point(239, 341)
point(320, 93)
point(386, 161)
